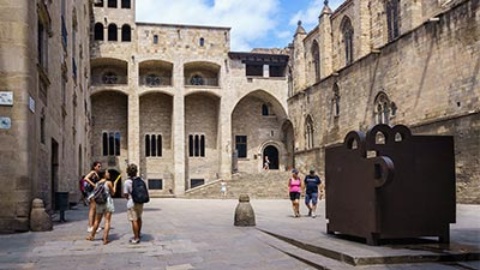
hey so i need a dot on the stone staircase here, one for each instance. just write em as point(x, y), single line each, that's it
point(265, 185)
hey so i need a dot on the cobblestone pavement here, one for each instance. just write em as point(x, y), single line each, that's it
point(181, 234)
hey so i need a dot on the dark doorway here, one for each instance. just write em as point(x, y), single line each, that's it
point(54, 173)
point(272, 153)
point(113, 176)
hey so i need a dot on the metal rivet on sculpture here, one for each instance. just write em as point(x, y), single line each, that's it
point(403, 188)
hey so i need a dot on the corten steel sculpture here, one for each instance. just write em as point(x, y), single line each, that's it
point(405, 188)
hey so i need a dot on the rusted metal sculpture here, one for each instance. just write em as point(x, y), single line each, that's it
point(389, 184)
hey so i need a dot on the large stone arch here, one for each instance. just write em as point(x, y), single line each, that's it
point(253, 130)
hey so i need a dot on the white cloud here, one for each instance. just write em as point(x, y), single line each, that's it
point(249, 20)
point(309, 15)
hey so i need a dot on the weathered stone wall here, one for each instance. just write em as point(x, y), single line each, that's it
point(429, 73)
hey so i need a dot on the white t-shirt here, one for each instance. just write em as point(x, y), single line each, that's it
point(127, 190)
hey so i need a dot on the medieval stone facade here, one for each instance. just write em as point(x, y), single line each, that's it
point(44, 106)
point(395, 62)
point(176, 101)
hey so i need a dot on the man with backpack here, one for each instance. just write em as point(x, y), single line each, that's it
point(136, 193)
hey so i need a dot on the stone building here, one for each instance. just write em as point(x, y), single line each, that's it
point(44, 103)
point(175, 100)
point(415, 63)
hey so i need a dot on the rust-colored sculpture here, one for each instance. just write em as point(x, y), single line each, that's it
point(405, 187)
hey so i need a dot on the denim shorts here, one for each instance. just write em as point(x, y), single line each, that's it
point(311, 197)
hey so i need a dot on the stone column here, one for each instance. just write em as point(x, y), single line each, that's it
point(134, 128)
point(226, 143)
point(178, 130)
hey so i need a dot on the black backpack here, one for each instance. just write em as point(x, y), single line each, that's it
point(139, 191)
point(100, 194)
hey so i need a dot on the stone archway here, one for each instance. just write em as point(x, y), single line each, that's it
point(272, 153)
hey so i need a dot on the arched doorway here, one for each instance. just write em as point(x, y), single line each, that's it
point(114, 173)
point(272, 153)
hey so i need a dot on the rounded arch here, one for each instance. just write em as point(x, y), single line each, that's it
point(272, 152)
point(275, 107)
point(112, 32)
point(126, 33)
point(201, 73)
point(98, 32)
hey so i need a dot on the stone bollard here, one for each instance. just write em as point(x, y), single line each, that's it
point(39, 219)
point(244, 215)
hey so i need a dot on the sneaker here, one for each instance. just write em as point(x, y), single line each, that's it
point(134, 241)
point(314, 216)
point(310, 212)
point(99, 229)
point(89, 229)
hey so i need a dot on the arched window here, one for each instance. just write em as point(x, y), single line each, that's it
point(111, 143)
point(347, 32)
point(196, 144)
point(126, 4)
point(112, 32)
point(153, 145)
point(336, 100)
point(316, 60)
point(392, 10)
point(309, 132)
point(112, 3)
point(384, 109)
point(202, 42)
point(98, 34)
point(265, 109)
point(126, 33)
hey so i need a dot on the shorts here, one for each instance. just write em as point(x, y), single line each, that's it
point(135, 213)
point(103, 208)
point(294, 196)
point(311, 197)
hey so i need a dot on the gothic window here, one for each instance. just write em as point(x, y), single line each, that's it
point(336, 100)
point(265, 110)
point(196, 145)
point(98, 32)
point(109, 78)
point(384, 109)
point(112, 3)
point(393, 11)
point(316, 60)
point(42, 45)
point(126, 33)
point(153, 80)
point(309, 132)
point(153, 145)
point(197, 80)
point(126, 4)
point(112, 32)
point(347, 31)
point(111, 143)
point(202, 42)
point(241, 146)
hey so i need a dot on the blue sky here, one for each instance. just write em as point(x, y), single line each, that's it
point(254, 23)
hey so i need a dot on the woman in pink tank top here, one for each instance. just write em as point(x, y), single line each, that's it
point(294, 190)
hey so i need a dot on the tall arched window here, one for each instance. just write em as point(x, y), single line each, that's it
point(309, 132)
point(126, 33)
point(126, 4)
point(316, 60)
point(347, 32)
point(336, 100)
point(196, 145)
point(392, 8)
point(112, 3)
point(112, 32)
point(153, 145)
point(98, 32)
point(384, 109)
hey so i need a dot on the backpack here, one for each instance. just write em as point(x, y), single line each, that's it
point(139, 191)
point(100, 194)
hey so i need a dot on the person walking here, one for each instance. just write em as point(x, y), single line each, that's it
point(92, 178)
point(312, 181)
point(223, 189)
point(266, 164)
point(294, 190)
point(106, 209)
point(134, 210)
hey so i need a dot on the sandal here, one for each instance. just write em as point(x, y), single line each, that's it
point(106, 241)
point(90, 238)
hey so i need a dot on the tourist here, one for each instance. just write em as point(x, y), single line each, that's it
point(223, 189)
point(105, 209)
point(294, 190)
point(312, 181)
point(134, 210)
point(266, 164)
point(92, 178)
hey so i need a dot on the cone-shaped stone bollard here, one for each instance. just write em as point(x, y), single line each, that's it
point(40, 221)
point(244, 215)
